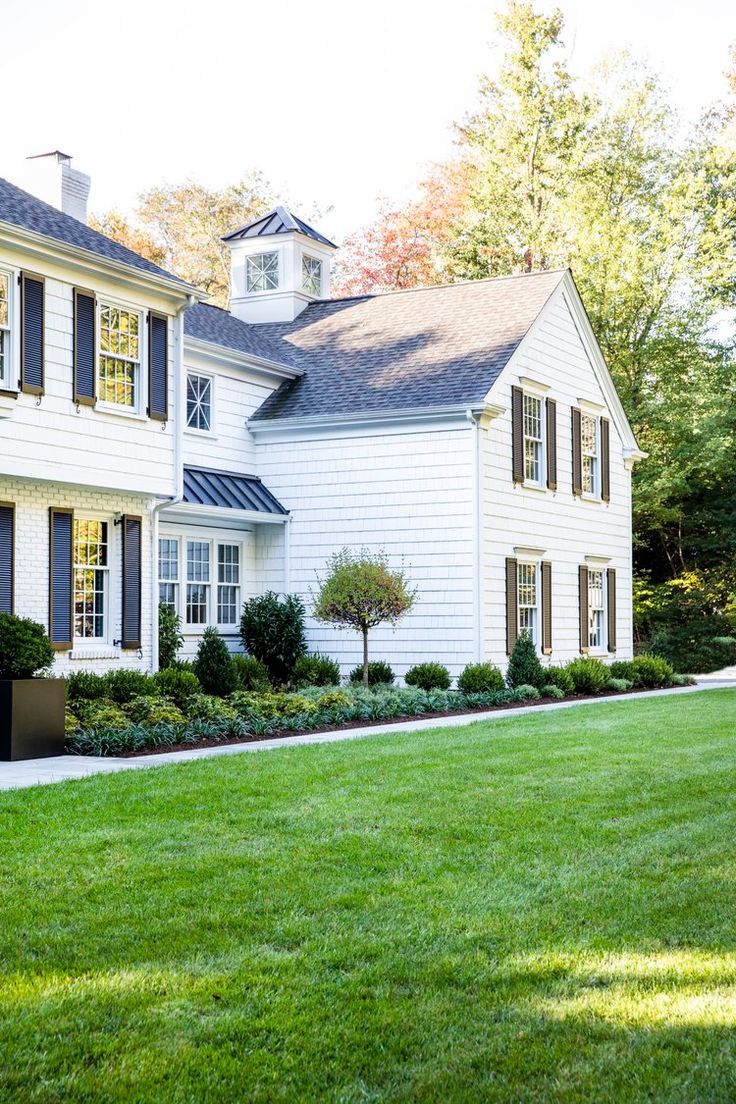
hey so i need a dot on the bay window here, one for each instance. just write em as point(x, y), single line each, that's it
point(91, 579)
point(119, 357)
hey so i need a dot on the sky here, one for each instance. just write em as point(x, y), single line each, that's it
point(338, 103)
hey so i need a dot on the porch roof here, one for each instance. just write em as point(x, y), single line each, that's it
point(207, 487)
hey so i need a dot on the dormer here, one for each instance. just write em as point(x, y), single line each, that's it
point(278, 266)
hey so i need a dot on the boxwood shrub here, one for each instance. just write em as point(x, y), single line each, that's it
point(316, 670)
point(647, 672)
point(252, 673)
point(428, 676)
point(559, 677)
point(25, 648)
point(379, 673)
point(480, 678)
point(588, 675)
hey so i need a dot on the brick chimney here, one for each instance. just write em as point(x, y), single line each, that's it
point(52, 178)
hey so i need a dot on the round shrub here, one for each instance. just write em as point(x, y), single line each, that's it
point(272, 630)
point(525, 693)
point(177, 683)
point(480, 678)
point(85, 686)
point(251, 673)
point(559, 677)
point(316, 670)
point(618, 685)
point(524, 668)
point(214, 665)
point(147, 710)
point(428, 676)
point(124, 685)
point(25, 648)
point(588, 675)
point(552, 691)
point(379, 673)
point(647, 672)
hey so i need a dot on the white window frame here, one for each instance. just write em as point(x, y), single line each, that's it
point(228, 626)
point(533, 396)
point(212, 539)
point(139, 375)
point(166, 581)
point(211, 380)
point(595, 457)
point(249, 260)
point(108, 613)
point(308, 257)
point(205, 584)
point(8, 372)
point(536, 633)
point(599, 612)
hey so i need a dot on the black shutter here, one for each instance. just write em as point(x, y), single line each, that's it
point(605, 460)
point(577, 453)
point(61, 569)
point(546, 608)
point(31, 334)
point(551, 444)
point(132, 551)
point(7, 540)
point(517, 433)
point(611, 610)
point(158, 366)
point(84, 347)
point(584, 618)
point(512, 608)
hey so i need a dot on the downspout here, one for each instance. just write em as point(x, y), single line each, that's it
point(474, 420)
point(156, 507)
point(287, 555)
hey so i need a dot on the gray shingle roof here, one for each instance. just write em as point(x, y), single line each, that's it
point(217, 326)
point(22, 209)
point(424, 348)
point(277, 221)
point(207, 487)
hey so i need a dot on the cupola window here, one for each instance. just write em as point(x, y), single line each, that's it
point(262, 272)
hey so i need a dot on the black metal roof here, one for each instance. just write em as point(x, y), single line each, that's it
point(278, 221)
point(30, 213)
point(206, 487)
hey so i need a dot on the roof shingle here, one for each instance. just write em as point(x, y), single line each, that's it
point(204, 322)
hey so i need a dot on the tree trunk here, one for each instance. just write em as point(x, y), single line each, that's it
point(365, 657)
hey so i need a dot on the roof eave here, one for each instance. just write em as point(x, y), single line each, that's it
point(222, 353)
point(367, 418)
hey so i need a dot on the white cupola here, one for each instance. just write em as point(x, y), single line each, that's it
point(278, 266)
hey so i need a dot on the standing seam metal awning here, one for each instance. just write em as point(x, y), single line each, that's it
point(205, 487)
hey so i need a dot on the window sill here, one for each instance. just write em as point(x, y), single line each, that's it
point(8, 400)
point(120, 412)
point(92, 651)
point(209, 434)
point(538, 487)
point(588, 497)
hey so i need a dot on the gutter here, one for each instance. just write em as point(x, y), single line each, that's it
point(156, 507)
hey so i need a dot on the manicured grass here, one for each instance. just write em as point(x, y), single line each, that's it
point(538, 909)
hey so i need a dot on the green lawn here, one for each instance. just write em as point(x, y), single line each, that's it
point(539, 909)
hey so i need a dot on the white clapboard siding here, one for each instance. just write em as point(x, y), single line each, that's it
point(566, 527)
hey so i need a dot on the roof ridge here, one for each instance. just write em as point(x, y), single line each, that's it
point(443, 287)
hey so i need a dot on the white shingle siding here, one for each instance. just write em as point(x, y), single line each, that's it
point(32, 502)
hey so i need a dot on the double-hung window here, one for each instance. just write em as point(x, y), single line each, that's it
point(6, 288)
point(589, 451)
point(596, 610)
point(199, 402)
point(91, 579)
point(119, 360)
point(198, 582)
point(168, 572)
point(262, 272)
point(533, 440)
point(527, 583)
point(228, 583)
point(311, 276)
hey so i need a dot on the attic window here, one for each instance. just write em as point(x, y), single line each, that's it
point(262, 272)
point(312, 276)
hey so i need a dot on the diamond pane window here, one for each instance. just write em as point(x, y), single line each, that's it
point(262, 272)
point(532, 439)
point(312, 276)
point(527, 599)
point(589, 438)
point(119, 356)
point(596, 609)
point(90, 579)
point(199, 402)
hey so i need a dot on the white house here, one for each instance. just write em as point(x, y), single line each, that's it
point(155, 448)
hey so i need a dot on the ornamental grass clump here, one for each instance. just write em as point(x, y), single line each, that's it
point(360, 592)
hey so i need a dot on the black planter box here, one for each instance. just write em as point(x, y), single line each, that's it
point(31, 718)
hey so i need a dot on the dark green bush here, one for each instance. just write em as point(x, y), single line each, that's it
point(379, 673)
point(589, 675)
point(85, 686)
point(25, 648)
point(177, 683)
point(524, 668)
point(316, 670)
point(559, 677)
point(646, 672)
point(697, 647)
point(124, 685)
point(480, 678)
point(251, 672)
point(272, 630)
point(170, 639)
point(428, 676)
point(214, 665)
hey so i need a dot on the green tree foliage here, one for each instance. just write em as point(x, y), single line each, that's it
point(213, 665)
point(272, 630)
point(360, 591)
point(524, 668)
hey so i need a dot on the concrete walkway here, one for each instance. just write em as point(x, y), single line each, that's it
point(33, 772)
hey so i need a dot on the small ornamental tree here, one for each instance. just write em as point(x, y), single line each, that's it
point(213, 665)
point(360, 592)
